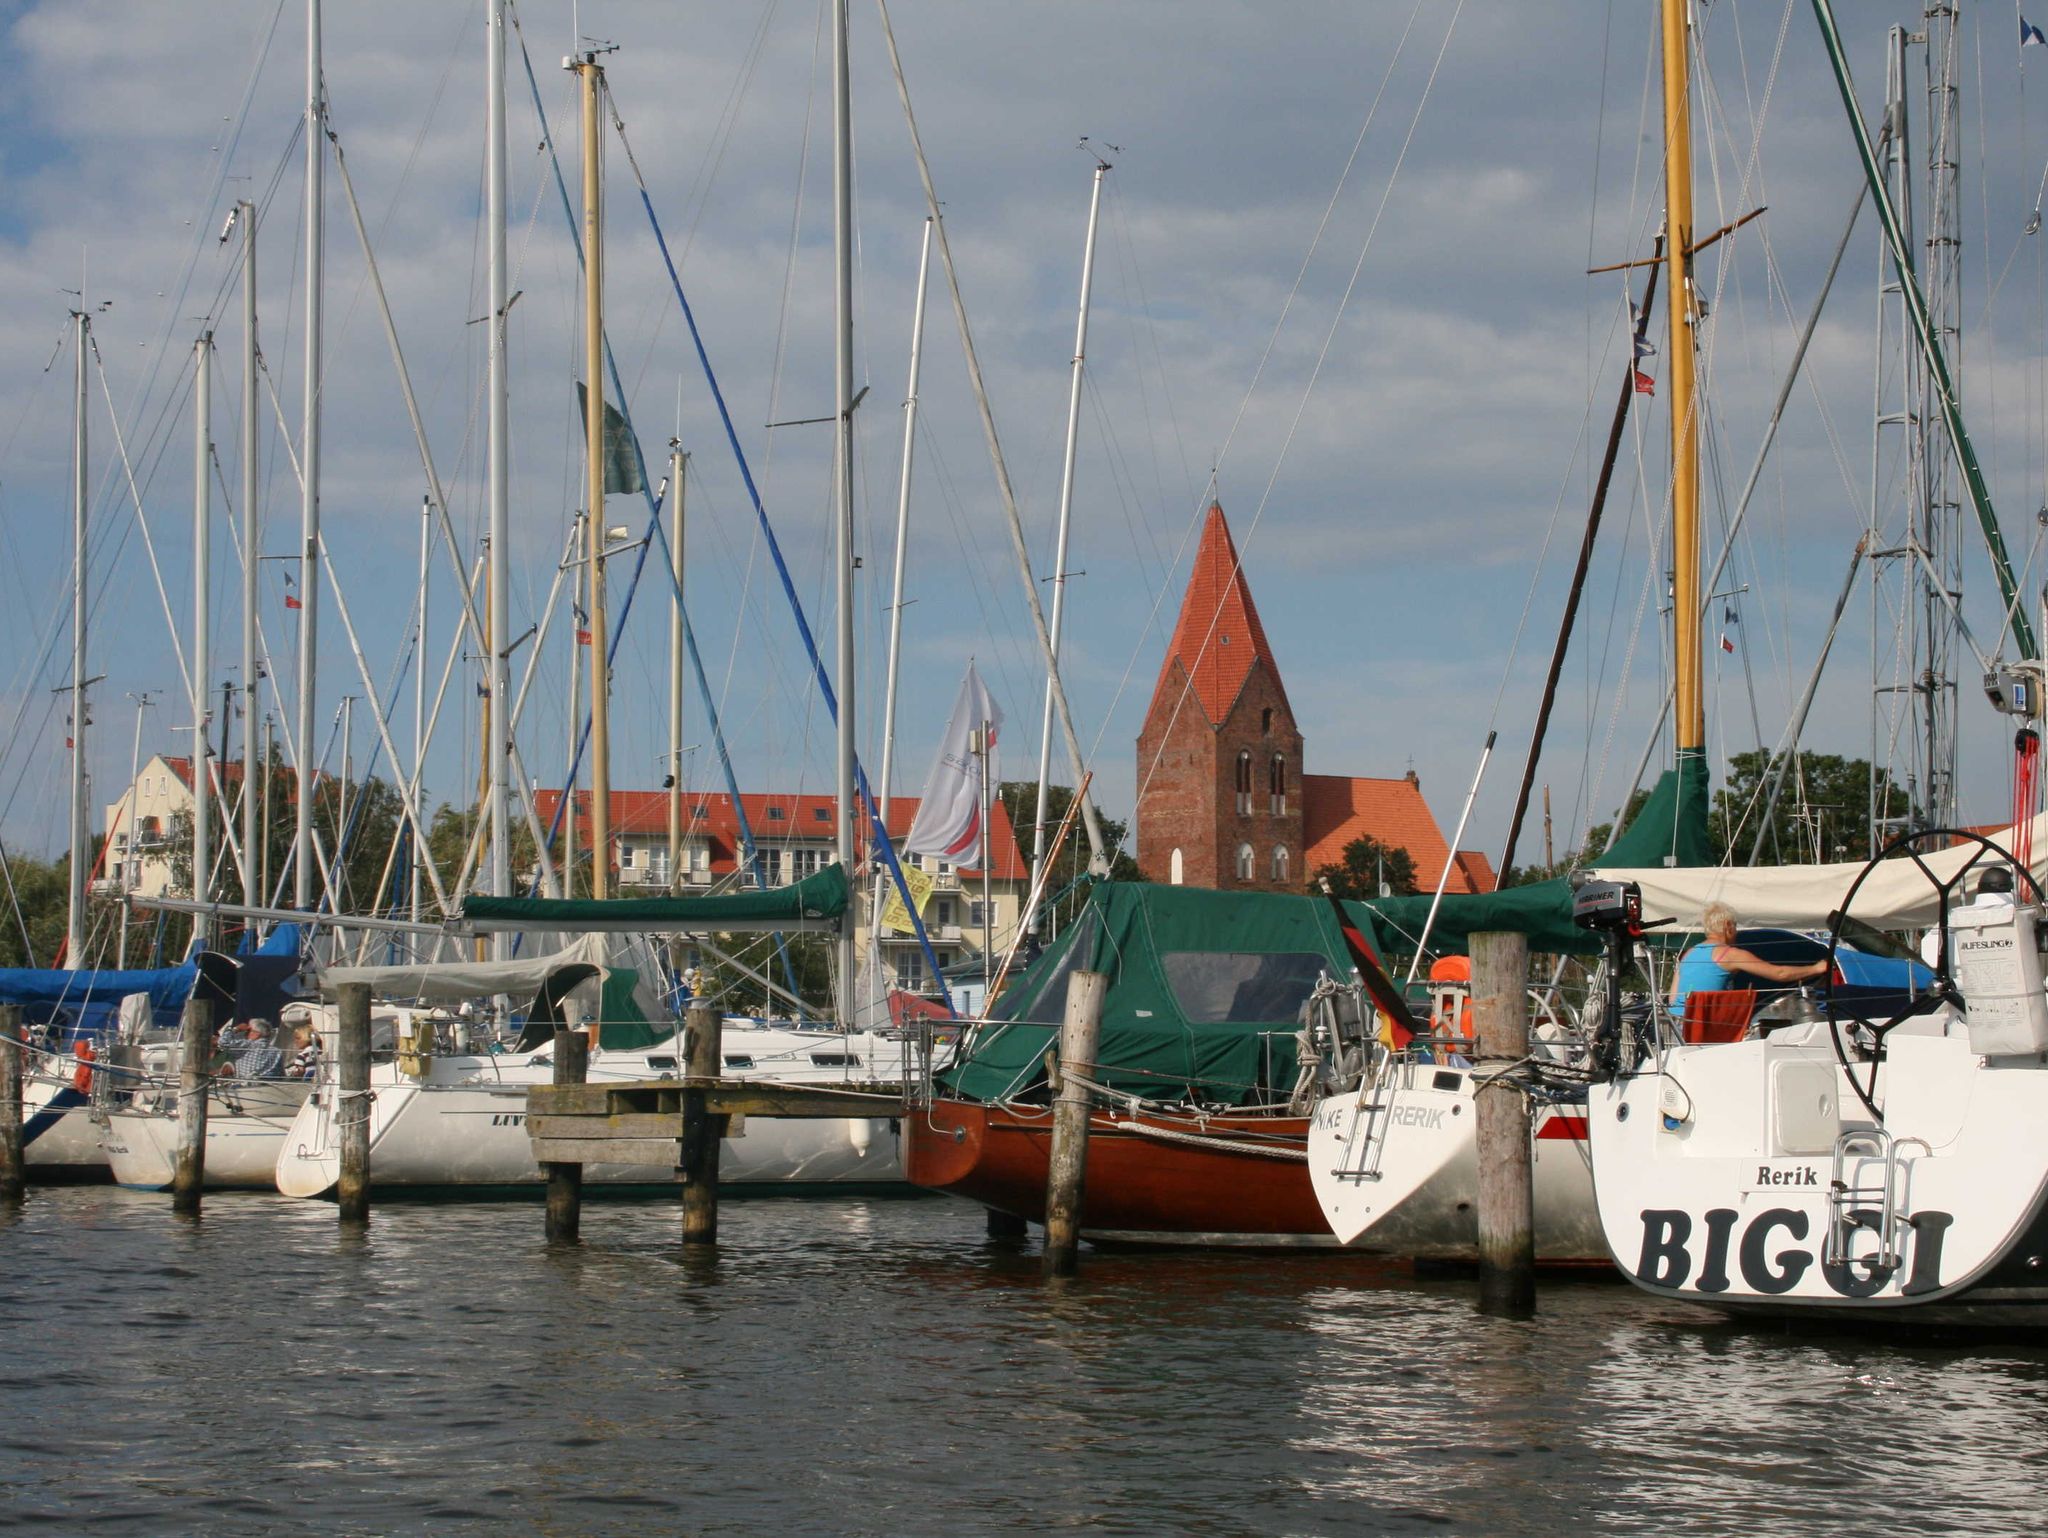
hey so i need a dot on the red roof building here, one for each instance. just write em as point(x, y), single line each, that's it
point(1223, 798)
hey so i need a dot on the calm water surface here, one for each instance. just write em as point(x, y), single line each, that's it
point(881, 1367)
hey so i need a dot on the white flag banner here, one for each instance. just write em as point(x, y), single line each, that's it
point(948, 821)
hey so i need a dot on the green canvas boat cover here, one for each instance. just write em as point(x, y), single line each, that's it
point(819, 901)
point(1670, 830)
point(624, 1025)
point(1205, 989)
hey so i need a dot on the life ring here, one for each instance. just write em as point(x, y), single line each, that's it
point(81, 1077)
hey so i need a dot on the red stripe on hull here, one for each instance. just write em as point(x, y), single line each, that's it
point(1135, 1183)
point(1571, 1129)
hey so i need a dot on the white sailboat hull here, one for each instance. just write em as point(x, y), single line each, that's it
point(1715, 1170)
point(464, 1125)
point(245, 1129)
point(60, 1139)
point(1395, 1166)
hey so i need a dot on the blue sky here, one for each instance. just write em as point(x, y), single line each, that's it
point(1406, 470)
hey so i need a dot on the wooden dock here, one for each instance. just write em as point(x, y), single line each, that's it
point(642, 1121)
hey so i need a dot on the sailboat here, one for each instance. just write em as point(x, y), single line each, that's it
point(1878, 1161)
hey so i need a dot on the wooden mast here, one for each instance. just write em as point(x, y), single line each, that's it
point(1689, 718)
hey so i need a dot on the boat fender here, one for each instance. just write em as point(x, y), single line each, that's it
point(81, 1077)
point(860, 1133)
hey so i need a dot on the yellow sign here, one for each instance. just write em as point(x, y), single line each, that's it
point(894, 915)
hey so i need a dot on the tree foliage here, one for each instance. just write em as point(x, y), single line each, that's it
point(1367, 865)
point(1020, 799)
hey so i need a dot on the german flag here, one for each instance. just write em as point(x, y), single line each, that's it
point(1398, 1025)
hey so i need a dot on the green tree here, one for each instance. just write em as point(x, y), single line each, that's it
point(1020, 799)
point(1368, 863)
point(1822, 813)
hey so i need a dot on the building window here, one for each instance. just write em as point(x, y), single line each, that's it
point(1266, 722)
point(800, 863)
point(942, 912)
point(821, 814)
point(775, 814)
point(1276, 784)
point(1174, 869)
point(910, 969)
point(1244, 782)
point(975, 915)
point(1279, 862)
point(1245, 860)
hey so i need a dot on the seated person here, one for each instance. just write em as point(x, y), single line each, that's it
point(251, 1056)
point(1711, 967)
point(305, 1063)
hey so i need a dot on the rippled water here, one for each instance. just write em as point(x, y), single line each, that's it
point(881, 1367)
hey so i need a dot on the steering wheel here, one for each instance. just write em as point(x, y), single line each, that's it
point(1944, 991)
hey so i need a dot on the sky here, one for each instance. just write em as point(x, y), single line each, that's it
point(1341, 285)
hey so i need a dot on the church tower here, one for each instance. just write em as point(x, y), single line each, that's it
point(1219, 756)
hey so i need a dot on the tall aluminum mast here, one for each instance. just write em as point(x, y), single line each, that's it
point(1059, 559)
point(595, 530)
point(498, 696)
point(253, 894)
point(202, 627)
point(309, 454)
point(81, 846)
point(842, 232)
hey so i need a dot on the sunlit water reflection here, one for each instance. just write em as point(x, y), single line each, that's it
point(881, 1367)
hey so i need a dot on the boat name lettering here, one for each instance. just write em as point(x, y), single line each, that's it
point(1805, 1176)
point(1429, 1118)
point(509, 1119)
point(1773, 1253)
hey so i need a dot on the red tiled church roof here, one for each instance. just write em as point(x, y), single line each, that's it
point(1218, 636)
point(804, 818)
point(1339, 808)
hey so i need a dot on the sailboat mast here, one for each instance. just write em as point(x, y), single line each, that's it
point(498, 687)
point(924, 264)
point(252, 893)
point(678, 462)
point(419, 696)
point(309, 498)
point(202, 627)
point(592, 78)
point(842, 231)
point(1059, 559)
point(1690, 717)
point(81, 853)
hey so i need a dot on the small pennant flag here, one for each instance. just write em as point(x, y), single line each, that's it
point(1645, 348)
point(483, 690)
point(1645, 385)
point(2029, 33)
point(1727, 645)
point(291, 601)
point(582, 627)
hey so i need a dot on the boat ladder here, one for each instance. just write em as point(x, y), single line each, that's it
point(1876, 1209)
point(1368, 1139)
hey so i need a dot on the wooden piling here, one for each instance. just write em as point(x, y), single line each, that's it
point(352, 1105)
point(13, 1186)
point(195, 1056)
point(702, 1059)
point(565, 1180)
point(1080, 1030)
point(1507, 1229)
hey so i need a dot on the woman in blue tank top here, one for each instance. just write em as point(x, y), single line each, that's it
point(1711, 967)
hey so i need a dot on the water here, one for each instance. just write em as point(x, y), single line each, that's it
point(881, 1367)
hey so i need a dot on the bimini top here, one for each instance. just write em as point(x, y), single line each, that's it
point(1205, 991)
point(818, 902)
point(449, 982)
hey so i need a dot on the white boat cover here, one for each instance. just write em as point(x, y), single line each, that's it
point(1897, 896)
point(447, 982)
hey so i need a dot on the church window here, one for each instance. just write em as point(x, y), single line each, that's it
point(1266, 722)
point(1244, 782)
point(1245, 860)
point(1174, 868)
point(1276, 784)
point(1279, 862)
